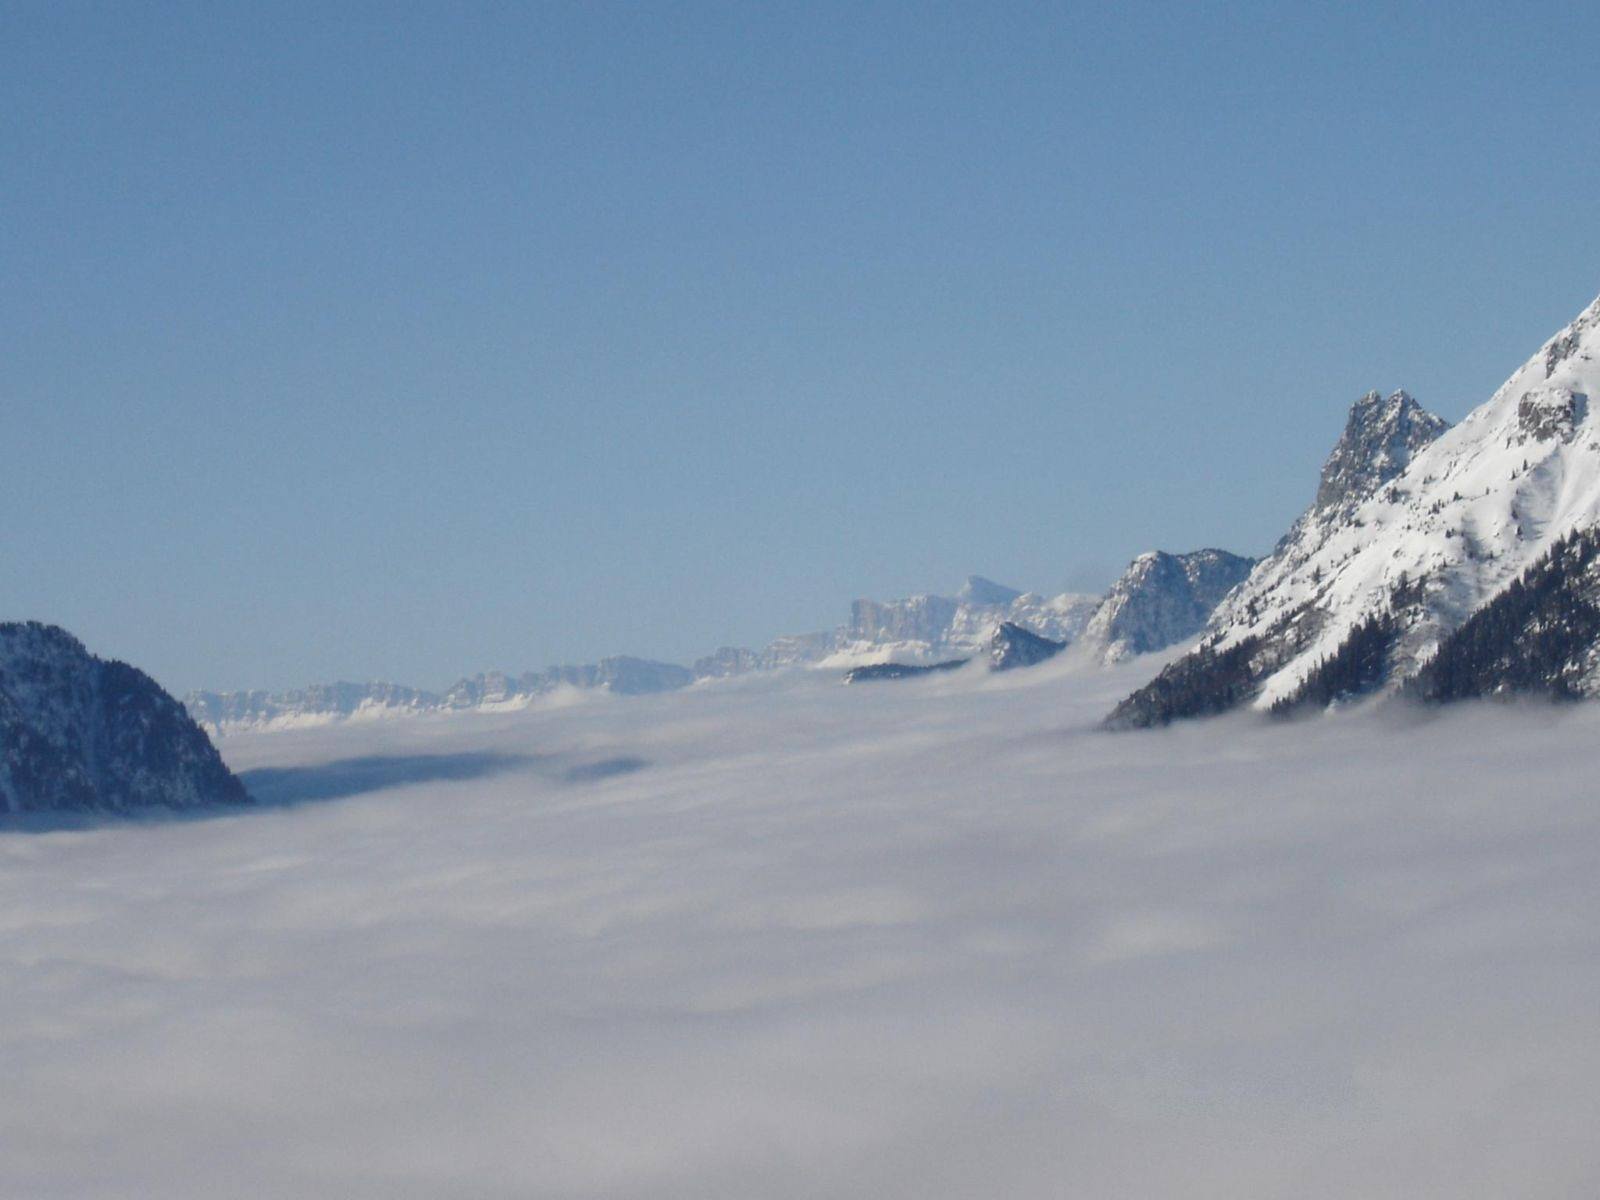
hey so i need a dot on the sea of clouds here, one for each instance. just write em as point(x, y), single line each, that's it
point(782, 938)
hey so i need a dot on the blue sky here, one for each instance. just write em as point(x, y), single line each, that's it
point(408, 341)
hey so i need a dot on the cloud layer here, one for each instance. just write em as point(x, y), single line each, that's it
point(927, 939)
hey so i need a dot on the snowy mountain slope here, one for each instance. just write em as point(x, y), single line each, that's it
point(1443, 526)
point(83, 734)
point(1162, 599)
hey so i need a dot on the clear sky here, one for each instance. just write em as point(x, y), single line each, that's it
point(407, 341)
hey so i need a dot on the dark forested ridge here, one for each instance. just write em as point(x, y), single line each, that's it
point(1203, 683)
point(1357, 667)
point(1540, 636)
point(874, 671)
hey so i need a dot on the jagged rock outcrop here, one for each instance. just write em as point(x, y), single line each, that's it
point(1162, 599)
point(1445, 526)
point(1381, 437)
point(84, 734)
point(1012, 647)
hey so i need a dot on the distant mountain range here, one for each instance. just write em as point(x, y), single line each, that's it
point(1160, 600)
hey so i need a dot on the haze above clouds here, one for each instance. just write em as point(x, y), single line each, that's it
point(782, 938)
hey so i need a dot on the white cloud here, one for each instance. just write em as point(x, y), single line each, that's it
point(932, 939)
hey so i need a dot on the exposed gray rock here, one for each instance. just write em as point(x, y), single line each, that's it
point(917, 619)
point(1546, 413)
point(1571, 339)
point(1381, 436)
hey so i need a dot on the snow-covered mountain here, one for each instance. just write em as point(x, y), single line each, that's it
point(1415, 529)
point(84, 734)
point(1162, 599)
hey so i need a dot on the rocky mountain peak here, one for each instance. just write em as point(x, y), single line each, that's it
point(1163, 598)
point(1381, 436)
point(1570, 341)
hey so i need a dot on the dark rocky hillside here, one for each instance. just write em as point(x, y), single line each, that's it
point(82, 734)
